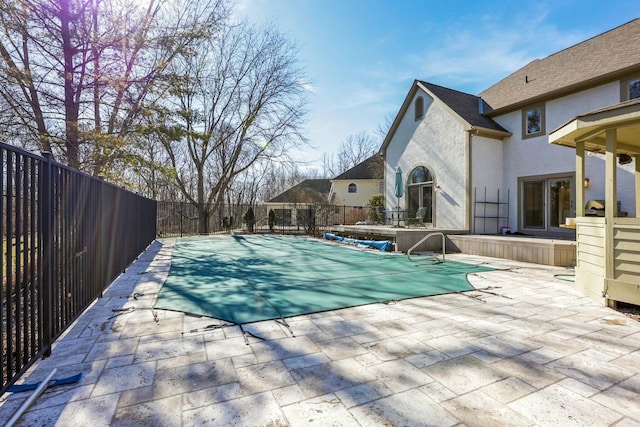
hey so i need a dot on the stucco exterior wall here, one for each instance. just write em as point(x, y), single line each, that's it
point(536, 157)
point(367, 188)
point(486, 185)
point(437, 141)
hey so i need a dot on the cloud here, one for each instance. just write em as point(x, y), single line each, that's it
point(244, 7)
point(310, 88)
point(468, 52)
point(481, 54)
point(359, 94)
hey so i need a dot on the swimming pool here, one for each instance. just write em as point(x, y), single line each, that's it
point(245, 279)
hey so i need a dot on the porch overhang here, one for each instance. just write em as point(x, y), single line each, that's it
point(591, 129)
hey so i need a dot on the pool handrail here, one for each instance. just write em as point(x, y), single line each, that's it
point(424, 239)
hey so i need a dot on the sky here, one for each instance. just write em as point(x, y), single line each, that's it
point(361, 56)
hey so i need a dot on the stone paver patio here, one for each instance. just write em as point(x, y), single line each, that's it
point(525, 349)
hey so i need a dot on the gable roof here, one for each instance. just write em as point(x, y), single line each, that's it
point(308, 191)
point(372, 168)
point(604, 57)
point(465, 105)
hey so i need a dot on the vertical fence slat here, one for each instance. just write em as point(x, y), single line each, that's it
point(46, 243)
point(24, 254)
point(4, 310)
point(33, 253)
point(14, 250)
point(9, 267)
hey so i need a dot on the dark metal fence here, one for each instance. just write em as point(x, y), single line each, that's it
point(181, 218)
point(65, 237)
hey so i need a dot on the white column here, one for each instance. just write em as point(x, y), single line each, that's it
point(611, 199)
point(637, 186)
point(580, 202)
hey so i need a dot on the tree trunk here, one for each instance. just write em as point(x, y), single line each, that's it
point(71, 108)
point(203, 219)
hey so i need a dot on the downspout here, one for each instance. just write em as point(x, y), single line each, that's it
point(470, 209)
point(469, 215)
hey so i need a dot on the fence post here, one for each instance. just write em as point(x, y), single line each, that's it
point(46, 243)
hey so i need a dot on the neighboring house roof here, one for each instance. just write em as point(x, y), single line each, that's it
point(591, 62)
point(308, 191)
point(372, 168)
point(469, 108)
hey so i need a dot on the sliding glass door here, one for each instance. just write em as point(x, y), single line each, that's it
point(533, 204)
point(546, 203)
point(560, 202)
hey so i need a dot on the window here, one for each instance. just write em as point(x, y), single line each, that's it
point(546, 202)
point(533, 121)
point(353, 188)
point(419, 175)
point(634, 89)
point(381, 187)
point(630, 88)
point(419, 108)
point(420, 193)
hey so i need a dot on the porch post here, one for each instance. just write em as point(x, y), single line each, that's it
point(637, 189)
point(580, 179)
point(611, 202)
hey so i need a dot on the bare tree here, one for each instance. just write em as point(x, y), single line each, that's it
point(278, 177)
point(237, 99)
point(383, 128)
point(77, 74)
point(353, 150)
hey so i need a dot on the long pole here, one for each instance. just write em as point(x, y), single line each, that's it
point(27, 403)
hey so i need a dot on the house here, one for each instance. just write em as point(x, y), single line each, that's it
point(292, 207)
point(484, 164)
point(445, 147)
point(342, 199)
point(359, 184)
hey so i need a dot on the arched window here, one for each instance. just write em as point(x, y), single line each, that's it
point(420, 194)
point(353, 188)
point(419, 175)
point(419, 108)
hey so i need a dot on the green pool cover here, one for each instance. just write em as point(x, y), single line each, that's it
point(244, 279)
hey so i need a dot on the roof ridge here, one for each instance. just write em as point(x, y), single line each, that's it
point(372, 165)
point(448, 88)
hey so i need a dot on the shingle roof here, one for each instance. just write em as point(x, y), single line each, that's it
point(372, 168)
point(308, 191)
point(465, 105)
point(590, 62)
